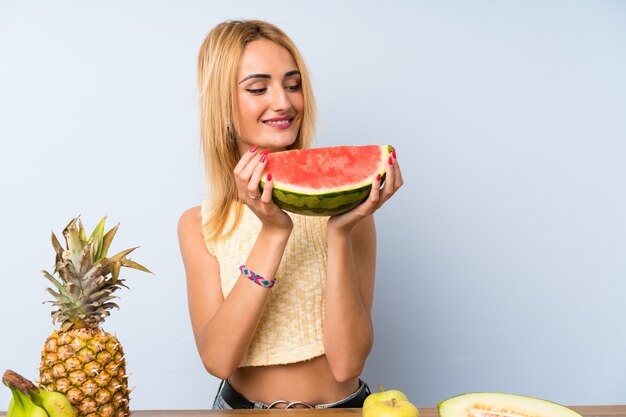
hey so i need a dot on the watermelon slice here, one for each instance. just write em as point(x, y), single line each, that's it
point(491, 404)
point(325, 181)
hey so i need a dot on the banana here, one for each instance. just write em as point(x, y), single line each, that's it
point(30, 408)
point(56, 404)
point(10, 410)
point(16, 409)
point(31, 401)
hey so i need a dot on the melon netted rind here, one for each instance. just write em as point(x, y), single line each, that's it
point(508, 405)
point(328, 203)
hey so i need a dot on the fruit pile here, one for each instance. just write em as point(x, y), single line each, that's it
point(394, 403)
point(30, 401)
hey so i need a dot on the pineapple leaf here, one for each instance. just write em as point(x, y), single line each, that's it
point(123, 253)
point(94, 285)
point(106, 242)
point(107, 306)
point(65, 268)
point(73, 289)
point(132, 264)
point(57, 245)
point(56, 283)
point(100, 302)
point(73, 241)
point(115, 270)
point(55, 294)
point(96, 238)
point(104, 294)
point(84, 261)
point(116, 283)
point(103, 298)
point(81, 233)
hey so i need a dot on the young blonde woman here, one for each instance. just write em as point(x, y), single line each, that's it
point(302, 342)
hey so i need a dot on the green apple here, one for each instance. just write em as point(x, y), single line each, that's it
point(392, 403)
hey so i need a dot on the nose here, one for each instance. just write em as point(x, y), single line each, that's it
point(280, 100)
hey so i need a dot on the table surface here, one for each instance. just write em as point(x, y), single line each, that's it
point(586, 411)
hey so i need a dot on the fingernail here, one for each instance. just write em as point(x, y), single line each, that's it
point(253, 149)
point(378, 177)
point(390, 161)
point(265, 151)
point(263, 157)
point(393, 153)
point(269, 177)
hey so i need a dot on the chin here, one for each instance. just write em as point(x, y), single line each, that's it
point(281, 142)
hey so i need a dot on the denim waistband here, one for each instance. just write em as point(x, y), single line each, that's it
point(236, 400)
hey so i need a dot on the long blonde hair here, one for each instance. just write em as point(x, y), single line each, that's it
point(218, 62)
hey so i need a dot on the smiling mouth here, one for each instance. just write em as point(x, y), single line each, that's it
point(279, 124)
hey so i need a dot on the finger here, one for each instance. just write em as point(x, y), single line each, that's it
point(398, 180)
point(248, 170)
point(266, 197)
point(257, 173)
point(245, 160)
point(389, 187)
point(375, 191)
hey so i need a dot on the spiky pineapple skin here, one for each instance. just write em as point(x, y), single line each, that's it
point(88, 365)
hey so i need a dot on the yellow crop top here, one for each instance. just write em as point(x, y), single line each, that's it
point(290, 328)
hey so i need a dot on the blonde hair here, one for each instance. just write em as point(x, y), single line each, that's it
point(218, 62)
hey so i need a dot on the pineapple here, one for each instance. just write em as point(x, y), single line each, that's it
point(80, 359)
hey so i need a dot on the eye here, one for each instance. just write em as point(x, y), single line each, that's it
point(293, 88)
point(256, 91)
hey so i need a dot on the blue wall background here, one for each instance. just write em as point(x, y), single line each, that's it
point(501, 262)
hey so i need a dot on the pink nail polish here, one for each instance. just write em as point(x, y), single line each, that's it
point(390, 161)
point(263, 157)
point(393, 153)
point(265, 152)
point(378, 177)
point(253, 149)
point(269, 177)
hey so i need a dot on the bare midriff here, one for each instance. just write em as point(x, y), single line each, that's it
point(309, 381)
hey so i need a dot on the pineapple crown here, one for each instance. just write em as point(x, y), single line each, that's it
point(83, 293)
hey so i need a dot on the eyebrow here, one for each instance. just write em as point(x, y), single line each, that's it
point(287, 74)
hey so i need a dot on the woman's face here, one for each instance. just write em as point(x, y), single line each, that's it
point(269, 97)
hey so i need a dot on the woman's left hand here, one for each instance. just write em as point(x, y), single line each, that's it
point(378, 196)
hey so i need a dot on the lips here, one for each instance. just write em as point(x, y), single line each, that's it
point(279, 122)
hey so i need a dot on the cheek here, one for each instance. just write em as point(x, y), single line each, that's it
point(249, 109)
point(298, 103)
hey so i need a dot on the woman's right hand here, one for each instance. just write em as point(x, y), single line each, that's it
point(248, 173)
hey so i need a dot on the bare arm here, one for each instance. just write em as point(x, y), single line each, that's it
point(348, 331)
point(223, 327)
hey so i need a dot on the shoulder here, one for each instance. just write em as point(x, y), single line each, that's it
point(190, 220)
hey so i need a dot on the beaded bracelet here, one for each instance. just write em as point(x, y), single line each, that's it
point(256, 278)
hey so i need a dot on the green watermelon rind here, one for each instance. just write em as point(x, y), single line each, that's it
point(323, 204)
point(327, 204)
